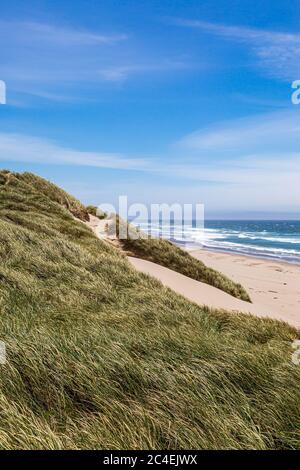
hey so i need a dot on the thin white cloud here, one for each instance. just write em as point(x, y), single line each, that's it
point(32, 32)
point(251, 170)
point(120, 73)
point(36, 53)
point(240, 32)
point(251, 163)
point(262, 133)
point(55, 61)
point(24, 148)
point(277, 51)
point(250, 184)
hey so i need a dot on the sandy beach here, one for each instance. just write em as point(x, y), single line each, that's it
point(271, 284)
point(273, 287)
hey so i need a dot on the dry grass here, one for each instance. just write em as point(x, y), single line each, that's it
point(100, 356)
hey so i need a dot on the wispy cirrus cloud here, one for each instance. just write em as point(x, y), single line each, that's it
point(24, 148)
point(120, 73)
point(43, 61)
point(32, 32)
point(51, 60)
point(277, 131)
point(41, 53)
point(278, 52)
point(255, 182)
point(253, 162)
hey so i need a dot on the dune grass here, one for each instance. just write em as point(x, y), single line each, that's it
point(94, 210)
point(100, 356)
point(167, 254)
point(55, 194)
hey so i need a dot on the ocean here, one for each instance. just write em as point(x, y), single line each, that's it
point(277, 240)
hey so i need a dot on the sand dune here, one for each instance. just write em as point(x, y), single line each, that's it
point(203, 294)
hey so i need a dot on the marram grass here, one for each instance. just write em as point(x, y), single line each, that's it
point(165, 253)
point(102, 357)
point(137, 243)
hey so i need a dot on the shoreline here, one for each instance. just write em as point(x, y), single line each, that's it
point(270, 259)
point(273, 285)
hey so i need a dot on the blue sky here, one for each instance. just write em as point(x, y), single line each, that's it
point(165, 101)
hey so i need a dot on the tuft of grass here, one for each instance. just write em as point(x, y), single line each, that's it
point(102, 357)
point(167, 254)
point(94, 210)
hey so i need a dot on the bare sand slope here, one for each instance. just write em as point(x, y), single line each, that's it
point(273, 284)
point(203, 294)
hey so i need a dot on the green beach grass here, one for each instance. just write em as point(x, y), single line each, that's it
point(102, 357)
point(138, 244)
point(169, 255)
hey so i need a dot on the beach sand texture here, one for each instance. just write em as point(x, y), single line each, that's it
point(273, 287)
point(272, 284)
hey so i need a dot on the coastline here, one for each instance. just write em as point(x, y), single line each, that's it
point(276, 240)
point(271, 284)
point(271, 259)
